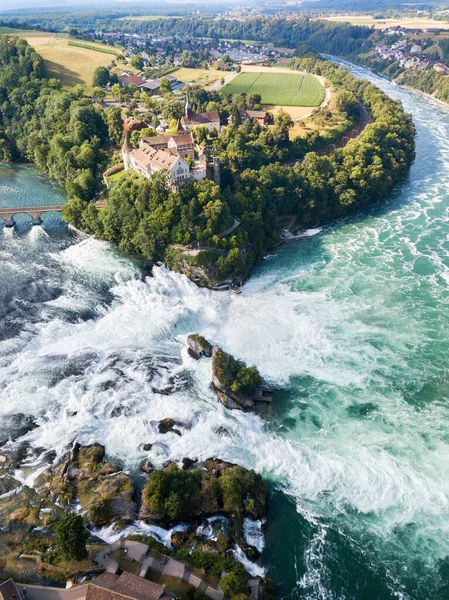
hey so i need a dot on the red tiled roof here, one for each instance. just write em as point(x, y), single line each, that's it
point(126, 586)
point(201, 118)
point(138, 588)
point(184, 139)
point(8, 591)
point(135, 79)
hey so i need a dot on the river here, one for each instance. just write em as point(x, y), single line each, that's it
point(351, 328)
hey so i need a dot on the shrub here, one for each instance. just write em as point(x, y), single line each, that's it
point(71, 537)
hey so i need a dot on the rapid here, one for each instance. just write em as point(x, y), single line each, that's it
point(350, 326)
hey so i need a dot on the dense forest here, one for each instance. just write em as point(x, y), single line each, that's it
point(322, 36)
point(61, 132)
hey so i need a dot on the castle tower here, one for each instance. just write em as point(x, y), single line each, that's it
point(126, 149)
point(188, 109)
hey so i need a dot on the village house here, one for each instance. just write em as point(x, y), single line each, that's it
point(210, 119)
point(107, 586)
point(126, 80)
point(261, 116)
point(126, 586)
point(133, 124)
point(441, 68)
point(152, 86)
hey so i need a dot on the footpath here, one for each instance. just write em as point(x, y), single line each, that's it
point(166, 566)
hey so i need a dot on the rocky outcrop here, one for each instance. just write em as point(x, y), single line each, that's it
point(226, 372)
point(201, 490)
point(237, 386)
point(103, 491)
point(168, 425)
point(198, 346)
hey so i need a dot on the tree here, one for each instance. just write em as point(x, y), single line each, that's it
point(173, 126)
point(117, 91)
point(78, 91)
point(187, 60)
point(165, 86)
point(135, 139)
point(200, 134)
point(172, 108)
point(137, 62)
point(100, 77)
point(71, 537)
point(235, 115)
point(98, 94)
point(232, 584)
point(115, 124)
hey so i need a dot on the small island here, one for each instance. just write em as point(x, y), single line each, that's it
point(237, 386)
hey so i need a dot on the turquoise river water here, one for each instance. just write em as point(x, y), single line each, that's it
point(351, 328)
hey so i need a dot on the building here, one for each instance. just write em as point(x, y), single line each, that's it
point(126, 586)
point(181, 145)
point(9, 590)
point(126, 80)
point(261, 116)
point(107, 586)
point(133, 124)
point(190, 119)
point(441, 68)
point(147, 160)
point(152, 86)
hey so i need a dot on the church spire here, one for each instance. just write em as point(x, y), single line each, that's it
point(188, 108)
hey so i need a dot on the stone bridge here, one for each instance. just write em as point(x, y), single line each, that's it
point(35, 212)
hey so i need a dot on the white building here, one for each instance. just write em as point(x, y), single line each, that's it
point(147, 160)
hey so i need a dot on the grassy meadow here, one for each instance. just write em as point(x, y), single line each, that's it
point(200, 76)
point(369, 21)
point(69, 61)
point(282, 89)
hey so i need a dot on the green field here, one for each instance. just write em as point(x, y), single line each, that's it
point(285, 89)
point(10, 30)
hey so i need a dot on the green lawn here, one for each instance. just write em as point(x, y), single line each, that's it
point(285, 89)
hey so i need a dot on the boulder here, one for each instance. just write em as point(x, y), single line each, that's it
point(84, 476)
point(146, 466)
point(187, 463)
point(198, 346)
point(15, 426)
point(168, 426)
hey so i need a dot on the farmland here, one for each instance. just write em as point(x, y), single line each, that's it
point(369, 21)
point(71, 62)
point(200, 76)
point(283, 89)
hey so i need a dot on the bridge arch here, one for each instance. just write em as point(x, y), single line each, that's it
point(17, 215)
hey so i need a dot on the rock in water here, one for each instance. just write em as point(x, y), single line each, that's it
point(198, 346)
point(102, 489)
point(16, 426)
point(234, 383)
point(168, 426)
